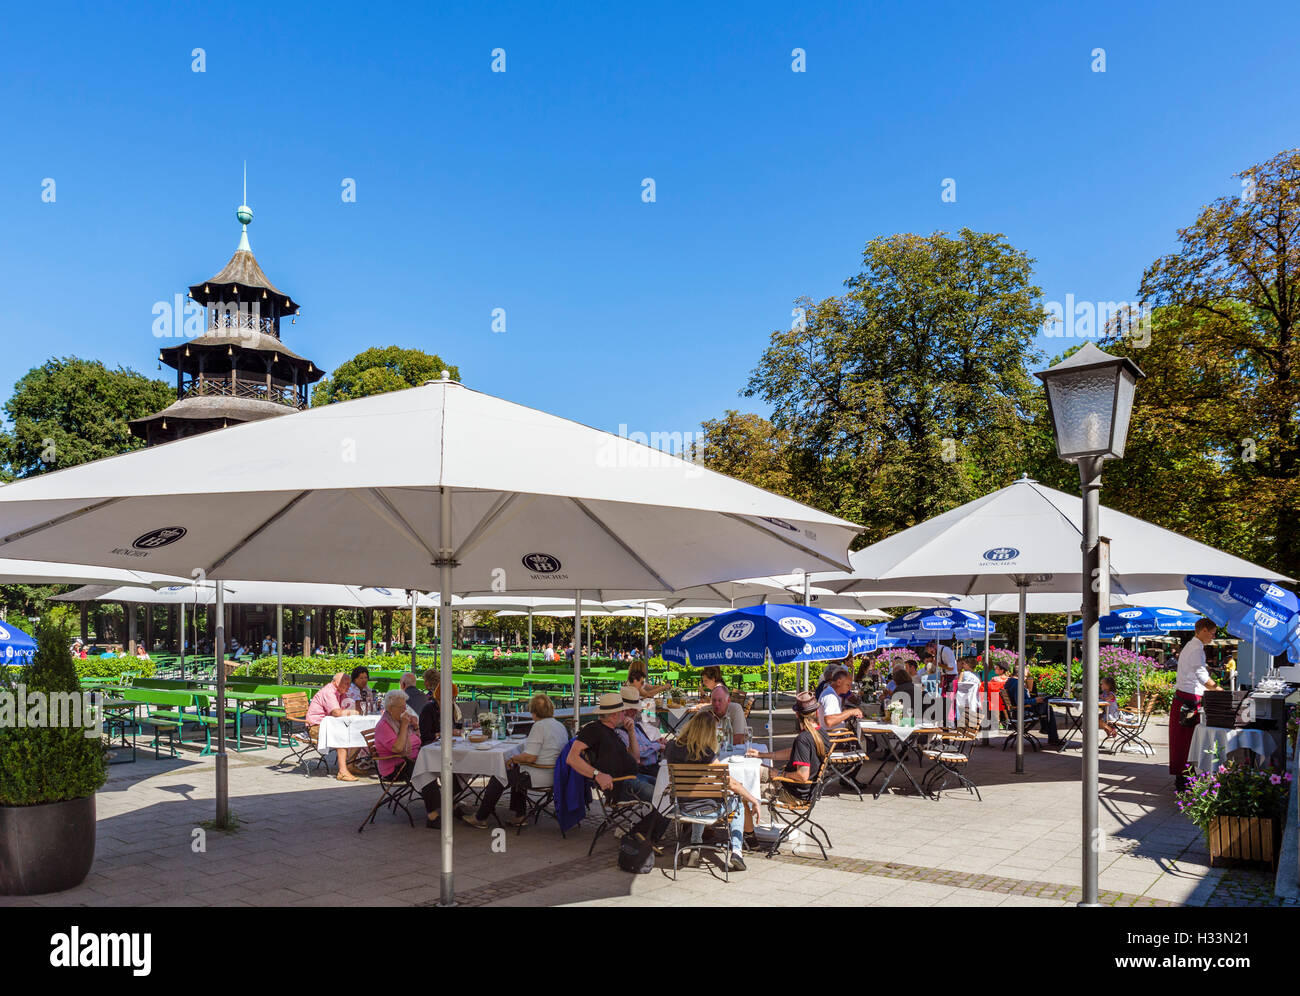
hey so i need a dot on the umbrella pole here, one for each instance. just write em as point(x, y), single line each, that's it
point(413, 598)
point(279, 640)
point(223, 785)
point(988, 662)
point(1020, 684)
point(771, 710)
point(645, 648)
point(182, 640)
point(530, 639)
point(805, 605)
point(577, 661)
point(444, 564)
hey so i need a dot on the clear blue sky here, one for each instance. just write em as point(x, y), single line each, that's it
point(522, 190)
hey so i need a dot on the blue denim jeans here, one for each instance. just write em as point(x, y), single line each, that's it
point(735, 825)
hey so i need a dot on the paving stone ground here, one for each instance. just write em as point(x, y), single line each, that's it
point(297, 844)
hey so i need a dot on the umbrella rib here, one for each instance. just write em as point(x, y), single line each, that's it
point(379, 503)
point(50, 523)
point(617, 539)
point(480, 530)
point(789, 542)
point(216, 565)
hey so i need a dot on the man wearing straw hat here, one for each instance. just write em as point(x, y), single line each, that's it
point(598, 753)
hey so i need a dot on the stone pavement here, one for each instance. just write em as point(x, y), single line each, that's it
point(297, 844)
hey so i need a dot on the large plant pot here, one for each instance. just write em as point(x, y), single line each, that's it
point(46, 848)
point(1245, 838)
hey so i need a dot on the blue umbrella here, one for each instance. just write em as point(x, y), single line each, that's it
point(925, 625)
point(883, 640)
point(1145, 621)
point(750, 636)
point(745, 637)
point(1250, 609)
point(15, 644)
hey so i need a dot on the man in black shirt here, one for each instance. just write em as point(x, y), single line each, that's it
point(600, 755)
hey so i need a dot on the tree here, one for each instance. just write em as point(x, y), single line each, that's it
point(378, 371)
point(69, 411)
point(908, 394)
point(1217, 420)
point(751, 448)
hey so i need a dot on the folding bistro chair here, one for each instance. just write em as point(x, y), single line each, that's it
point(541, 800)
point(790, 814)
point(302, 742)
point(394, 792)
point(616, 815)
point(951, 754)
point(846, 757)
point(1129, 729)
point(1009, 717)
point(699, 795)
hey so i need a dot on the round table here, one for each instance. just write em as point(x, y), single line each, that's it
point(1225, 742)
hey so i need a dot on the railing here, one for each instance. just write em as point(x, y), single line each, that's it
point(233, 323)
point(280, 394)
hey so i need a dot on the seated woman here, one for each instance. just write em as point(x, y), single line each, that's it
point(805, 756)
point(637, 677)
point(542, 748)
point(710, 678)
point(362, 695)
point(697, 743)
point(431, 715)
point(1112, 713)
point(397, 743)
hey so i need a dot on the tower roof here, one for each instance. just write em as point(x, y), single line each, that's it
point(242, 274)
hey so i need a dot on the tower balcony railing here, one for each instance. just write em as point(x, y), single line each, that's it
point(235, 323)
point(257, 390)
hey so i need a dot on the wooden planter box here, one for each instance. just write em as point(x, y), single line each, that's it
point(1246, 838)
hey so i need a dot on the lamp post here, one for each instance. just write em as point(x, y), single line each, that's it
point(1090, 397)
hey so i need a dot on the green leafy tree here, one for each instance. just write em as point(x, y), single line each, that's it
point(749, 447)
point(69, 411)
point(1215, 442)
point(909, 394)
point(378, 371)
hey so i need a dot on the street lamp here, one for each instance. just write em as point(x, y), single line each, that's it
point(1090, 397)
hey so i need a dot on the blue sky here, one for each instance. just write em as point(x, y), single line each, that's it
point(522, 190)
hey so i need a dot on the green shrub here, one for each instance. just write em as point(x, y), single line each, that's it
point(46, 763)
point(111, 667)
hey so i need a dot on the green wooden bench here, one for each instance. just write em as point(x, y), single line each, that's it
point(167, 713)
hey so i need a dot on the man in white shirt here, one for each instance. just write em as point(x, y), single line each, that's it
point(1193, 679)
point(830, 703)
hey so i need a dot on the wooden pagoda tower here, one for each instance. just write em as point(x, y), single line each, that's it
point(238, 370)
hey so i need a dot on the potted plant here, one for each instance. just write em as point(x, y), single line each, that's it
point(1239, 808)
point(52, 762)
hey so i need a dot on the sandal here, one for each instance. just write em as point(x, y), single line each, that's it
point(346, 777)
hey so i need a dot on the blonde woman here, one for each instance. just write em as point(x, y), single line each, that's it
point(697, 743)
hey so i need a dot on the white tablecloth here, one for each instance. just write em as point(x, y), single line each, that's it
point(344, 731)
point(904, 733)
point(1204, 738)
point(466, 759)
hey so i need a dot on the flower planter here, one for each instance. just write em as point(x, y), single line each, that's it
point(1245, 838)
point(46, 848)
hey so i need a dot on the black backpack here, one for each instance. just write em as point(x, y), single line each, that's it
point(636, 854)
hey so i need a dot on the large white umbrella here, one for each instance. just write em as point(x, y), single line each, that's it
point(433, 488)
point(1023, 538)
point(45, 572)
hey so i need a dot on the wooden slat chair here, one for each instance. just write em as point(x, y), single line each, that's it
point(302, 741)
point(1129, 729)
point(616, 815)
point(951, 753)
point(845, 758)
point(394, 791)
point(791, 814)
point(1009, 717)
point(699, 795)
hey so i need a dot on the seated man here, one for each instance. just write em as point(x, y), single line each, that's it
point(728, 713)
point(431, 714)
point(649, 749)
point(333, 700)
point(415, 698)
point(831, 711)
point(597, 753)
point(1037, 708)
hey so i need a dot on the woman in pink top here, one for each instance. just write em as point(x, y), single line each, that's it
point(397, 742)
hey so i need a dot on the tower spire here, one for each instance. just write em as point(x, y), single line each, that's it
point(244, 214)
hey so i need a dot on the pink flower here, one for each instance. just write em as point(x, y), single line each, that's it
point(1275, 779)
point(1223, 770)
